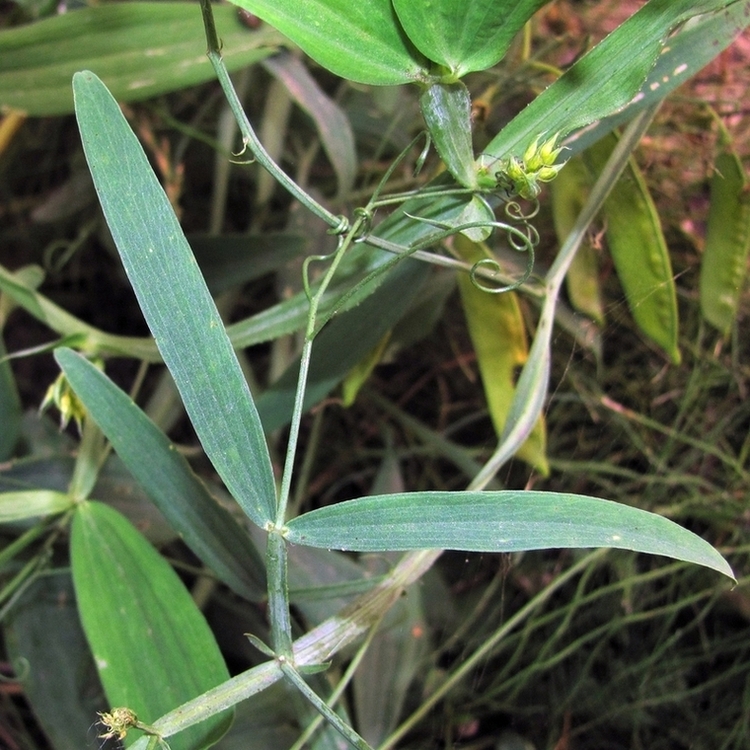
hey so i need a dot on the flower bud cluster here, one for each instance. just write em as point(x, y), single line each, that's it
point(538, 164)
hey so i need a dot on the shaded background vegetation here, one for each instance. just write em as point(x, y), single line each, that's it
point(638, 653)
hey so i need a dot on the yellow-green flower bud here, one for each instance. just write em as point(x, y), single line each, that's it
point(67, 402)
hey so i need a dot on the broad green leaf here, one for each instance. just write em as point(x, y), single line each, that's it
point(724, 262)
point(639, 251)
point(506, 521)
point(603, 81)
point(140, 49)
point(498, 335)
point(151, 644)
point(17, 506)
point(464, 35)
point(49, 653)
point(164, 473)
point(360, 41)
point(175, 301)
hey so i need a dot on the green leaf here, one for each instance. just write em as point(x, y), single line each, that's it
point(151, 644)
point(17, 506)
point(360, 41)
point(140, 49)
point(464, 35)
point(506, 521)
point(175, 301)
point(603, 81)
point(689, 49)
point(164, 473)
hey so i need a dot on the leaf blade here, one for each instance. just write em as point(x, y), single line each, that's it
point(38, 60)
point(464, 36)
point(175, 301)
point(360, 41)
point(207, 528)
point(152, 647)
point(502, 521)
point(605, 80)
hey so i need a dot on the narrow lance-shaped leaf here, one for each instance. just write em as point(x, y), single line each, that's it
point(690, 48)
point(603, 81)
point(175, 300)
point(165, 475)
point(151, 644)
point(18, 506)
point(506, 521)
point(121, 41)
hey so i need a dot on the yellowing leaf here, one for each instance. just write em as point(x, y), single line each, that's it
point(499, 337)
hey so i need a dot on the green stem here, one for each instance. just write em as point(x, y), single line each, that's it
point(249, 138)
point(531, 390)
point(278, 594)
point(322, 707)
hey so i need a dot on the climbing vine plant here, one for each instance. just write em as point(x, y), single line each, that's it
point(173, 687)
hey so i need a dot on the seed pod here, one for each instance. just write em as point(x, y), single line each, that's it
point(724, 263)
point(639, 252)
point(446, 108)
point(569, 193)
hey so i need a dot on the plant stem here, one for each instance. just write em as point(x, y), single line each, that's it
point(533, 383)
point(249, 138)
point(322, 707)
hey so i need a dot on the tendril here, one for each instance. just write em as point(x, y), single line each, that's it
point(364, 221)
point(514, 211)
point(306, 272)
point(496, 268)
point(341, 228)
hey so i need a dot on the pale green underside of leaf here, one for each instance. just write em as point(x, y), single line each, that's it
point(17, 506)
point(139, 49)
point(175, 301)
point(361, 41)
point(506, 521)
